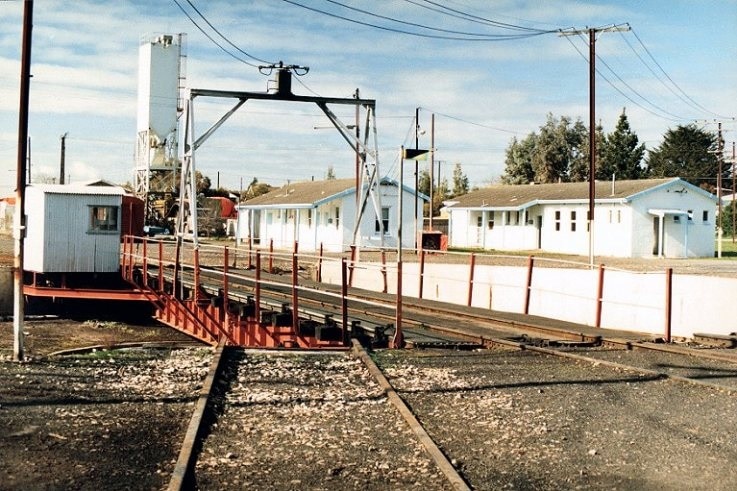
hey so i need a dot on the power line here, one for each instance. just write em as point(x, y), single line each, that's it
point(208, 36)
point(487, 38)
point(445, 10)
point(414, 24)
point(604, 77)
point(480, 125)
point(224, 37)
point(670, 79)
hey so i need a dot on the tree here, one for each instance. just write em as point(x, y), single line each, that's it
point(558, 144)
point(518, 163)
point(255, 189)
point(578, 150)
point(621, 153)
point(460, 181)
point(203, 183)
point(330, 174)
point(686, 152)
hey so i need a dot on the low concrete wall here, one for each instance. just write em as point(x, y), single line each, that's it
point(630, 301)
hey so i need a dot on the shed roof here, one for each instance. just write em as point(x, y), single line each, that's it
point(525, 195)
point(79, 189)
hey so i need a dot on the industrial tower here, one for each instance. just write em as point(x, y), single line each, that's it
point(161, 64)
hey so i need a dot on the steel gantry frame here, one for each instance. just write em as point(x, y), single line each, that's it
point(367, 184)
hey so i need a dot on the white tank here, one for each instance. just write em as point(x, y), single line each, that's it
point(158, 95)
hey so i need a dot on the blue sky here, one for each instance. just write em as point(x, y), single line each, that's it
point(84, 65)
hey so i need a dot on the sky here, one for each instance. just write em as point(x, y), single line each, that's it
point(488, 71)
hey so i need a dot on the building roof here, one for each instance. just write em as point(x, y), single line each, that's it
point(507, 196)
point(79, 189)
point(308, 194)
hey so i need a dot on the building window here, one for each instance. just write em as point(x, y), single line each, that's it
point(490, 223)
point(690, 215)
point(619, 216)
point(573, 221)
point(515, 218)
point(337, 217)
point(676, 218)
point(384, 221)
point(309, 217)
point(103, 219)
point(705, 216)
point(557, 221)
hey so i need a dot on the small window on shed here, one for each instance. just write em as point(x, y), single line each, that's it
point(676, 218)
point(573, 221)
point(690, 215)
point(103, 219)
point(384, 224)
point(337, 217)
point(490, 223)
point(557, 221)
point(705, 216)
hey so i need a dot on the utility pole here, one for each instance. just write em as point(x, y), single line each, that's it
point(432, 166)
point(720, 158)
point(62, 160)
point(734, 203)
point(592, 32)
point(417, 177)
point(20, 190)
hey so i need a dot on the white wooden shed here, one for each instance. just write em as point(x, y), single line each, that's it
point(635, 218)
point(72, 228)
point(315, 213)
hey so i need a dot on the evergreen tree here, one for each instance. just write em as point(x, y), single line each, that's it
point(518, 163)
point(621, 153)
point(460, 181)
point(330, 174)
point(578, 169)
point(687, 152)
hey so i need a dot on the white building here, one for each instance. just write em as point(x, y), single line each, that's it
point(637, 218)
point(315, 213)
point(73, 228)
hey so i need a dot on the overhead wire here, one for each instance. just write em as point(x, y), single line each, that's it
point(414, 24)
point(487, 38)
point(686, 98)
point(444, 9)
point(224, 37)
point(208, 36)
point(618, 89)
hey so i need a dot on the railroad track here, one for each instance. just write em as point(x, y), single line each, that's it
point(294, 419)
point(254, 426)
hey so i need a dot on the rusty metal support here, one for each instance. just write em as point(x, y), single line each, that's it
point(161, 266)
point(383, 272)
point(271, 256)
point(225, 286)
point(472, 268)
point(144, 260)
point(599, 296)
point(344, 299)
point(422, 272)
point(295, 294)
point(319, 265)
point(196, 275)
point(350, 268)
point(398, 340)
point(257, 289)
point(528, 286)
point(668, 303)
